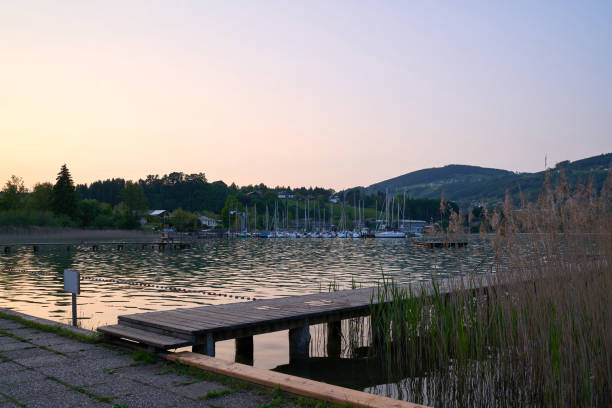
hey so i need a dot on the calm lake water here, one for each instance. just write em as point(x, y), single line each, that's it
point(257, 268)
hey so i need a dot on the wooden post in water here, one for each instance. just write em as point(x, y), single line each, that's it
point(204, 345)
point(74, 309)
point(244, 350)
point(72, 284)
point(334, 339)
point(299, 343)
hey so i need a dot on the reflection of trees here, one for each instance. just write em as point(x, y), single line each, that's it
point(356, 373)
point(15, 284)
point(54, 260)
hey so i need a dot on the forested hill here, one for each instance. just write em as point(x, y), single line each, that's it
point(467, 184)
point(439, 175)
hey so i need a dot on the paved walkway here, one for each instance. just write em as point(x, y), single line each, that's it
point(41, 369)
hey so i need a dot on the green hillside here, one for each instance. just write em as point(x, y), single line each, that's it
point(471, 184)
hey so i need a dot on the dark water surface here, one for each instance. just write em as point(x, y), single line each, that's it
point(245, 267)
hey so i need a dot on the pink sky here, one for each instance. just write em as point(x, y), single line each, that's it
point(334, 94)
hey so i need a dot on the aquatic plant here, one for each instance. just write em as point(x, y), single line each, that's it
point(533, 333)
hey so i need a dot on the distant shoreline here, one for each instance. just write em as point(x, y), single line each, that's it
point(16, 235)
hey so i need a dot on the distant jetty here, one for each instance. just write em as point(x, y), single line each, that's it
point(440, 243)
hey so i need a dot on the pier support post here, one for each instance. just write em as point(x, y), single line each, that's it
point(334, 339)
point(35, 248)
point(244, 350)
point(299, 343)
point(204, 345)
point(74, 309)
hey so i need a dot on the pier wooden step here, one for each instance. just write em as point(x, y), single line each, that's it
point(156, 340)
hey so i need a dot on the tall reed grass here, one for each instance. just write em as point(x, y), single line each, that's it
point(536, 332)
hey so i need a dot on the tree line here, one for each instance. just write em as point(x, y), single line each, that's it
point(61, 205)
point(120, 203)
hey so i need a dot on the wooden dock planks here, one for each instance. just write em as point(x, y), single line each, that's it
point(144, 336)
point(202, 326)
point(249, 318)
point(239, 316)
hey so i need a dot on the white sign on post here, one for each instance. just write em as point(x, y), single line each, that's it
point(72, 282)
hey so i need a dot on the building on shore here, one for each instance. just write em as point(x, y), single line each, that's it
point(208, 222)
point(412, 226)
point(158, 213)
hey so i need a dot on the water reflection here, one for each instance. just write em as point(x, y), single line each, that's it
point(252, 267)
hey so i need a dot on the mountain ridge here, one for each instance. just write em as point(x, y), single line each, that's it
point(467, 184)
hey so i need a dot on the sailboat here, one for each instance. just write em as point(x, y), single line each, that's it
point(382, 231)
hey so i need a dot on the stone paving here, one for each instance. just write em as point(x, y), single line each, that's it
point(40, 369)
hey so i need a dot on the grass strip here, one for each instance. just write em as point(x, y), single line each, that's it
point(272, 404)
point(13, 400)
point(216, 394)
point(49, 328)
point(52, 351)
point(4, 333)
point(142, 357)
point(82, 391)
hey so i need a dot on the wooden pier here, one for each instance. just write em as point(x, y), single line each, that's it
point(94, 246)
point(440, 244)
point(200, 327)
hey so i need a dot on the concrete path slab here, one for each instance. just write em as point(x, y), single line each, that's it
point(40, 369)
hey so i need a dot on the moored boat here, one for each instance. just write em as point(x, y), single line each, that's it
point(389, 234)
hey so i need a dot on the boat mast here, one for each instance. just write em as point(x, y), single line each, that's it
point(324, 220)
point(386, 208)
point(305, 216)
point(354, 212)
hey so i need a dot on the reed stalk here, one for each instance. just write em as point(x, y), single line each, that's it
point(537, 334)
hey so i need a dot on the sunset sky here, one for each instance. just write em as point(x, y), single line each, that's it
point(327, 93)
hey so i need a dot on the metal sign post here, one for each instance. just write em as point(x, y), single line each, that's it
point(72, 284)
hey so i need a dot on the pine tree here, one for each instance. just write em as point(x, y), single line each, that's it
point(64, 194)
point(134, 198)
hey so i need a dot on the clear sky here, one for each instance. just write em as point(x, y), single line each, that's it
point(328, 93)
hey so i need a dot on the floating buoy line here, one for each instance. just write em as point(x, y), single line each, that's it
point(135, 283)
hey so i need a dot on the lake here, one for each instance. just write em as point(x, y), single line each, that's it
point(32, 282)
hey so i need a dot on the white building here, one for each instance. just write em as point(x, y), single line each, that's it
point(158, 213)
point(413, 226)
point(207, 221)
